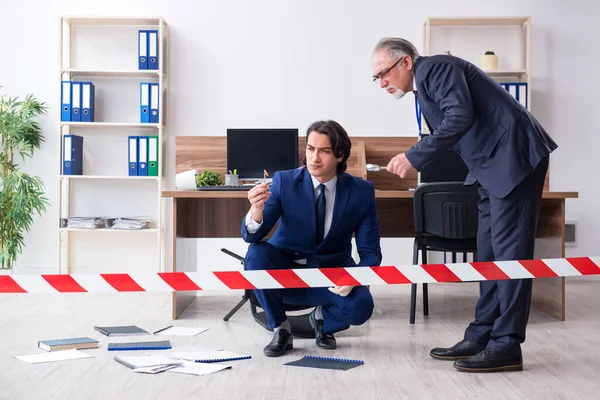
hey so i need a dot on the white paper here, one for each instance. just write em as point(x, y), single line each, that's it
point(181, 331)
point(207, 355)
point(60, 355)
point(152, 360)
point(199, 369)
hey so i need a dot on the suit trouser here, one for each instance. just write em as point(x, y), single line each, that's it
point(506, 231)
point(338, 312)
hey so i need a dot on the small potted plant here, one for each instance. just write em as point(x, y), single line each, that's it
point(489, 61)
point(208, 178)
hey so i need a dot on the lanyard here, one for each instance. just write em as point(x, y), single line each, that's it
point(419, 112)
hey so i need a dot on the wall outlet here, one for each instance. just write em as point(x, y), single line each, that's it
point(570, 233)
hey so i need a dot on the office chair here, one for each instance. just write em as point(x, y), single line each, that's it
point(446, 218)
point(300, 325)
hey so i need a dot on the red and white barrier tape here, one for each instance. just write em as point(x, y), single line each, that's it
point(299, 278)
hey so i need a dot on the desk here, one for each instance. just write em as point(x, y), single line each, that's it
point(219, 214)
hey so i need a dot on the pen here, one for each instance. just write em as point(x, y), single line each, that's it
point(265, 175)
point(163, 329)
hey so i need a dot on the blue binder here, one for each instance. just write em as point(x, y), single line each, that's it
point(144, 102)
point(72, 155)
point(76, 101)
point(133, 156)
point(142, 49)
point(154, 106)
point(88, 91)
point(152, 49)
point(65, 94)
point(142, 155)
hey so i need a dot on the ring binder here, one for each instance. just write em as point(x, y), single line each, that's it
point(326, 363)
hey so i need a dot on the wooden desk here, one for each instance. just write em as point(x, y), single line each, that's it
point(219, 214)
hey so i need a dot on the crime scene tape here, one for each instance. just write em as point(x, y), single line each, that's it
point(299, 278)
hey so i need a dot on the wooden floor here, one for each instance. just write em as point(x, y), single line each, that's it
point(562, 359)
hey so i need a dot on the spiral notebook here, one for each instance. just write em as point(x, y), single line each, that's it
point(155, 345)
point(210, 356)
point(58, 355)
point(325, 363)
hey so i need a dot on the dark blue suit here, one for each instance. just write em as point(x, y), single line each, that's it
point(507, 151)
point(292, 206)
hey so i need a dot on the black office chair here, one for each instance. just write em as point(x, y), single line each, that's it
point(446, 218)
point(300, 325)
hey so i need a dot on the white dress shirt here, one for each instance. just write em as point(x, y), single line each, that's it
point(330, 186)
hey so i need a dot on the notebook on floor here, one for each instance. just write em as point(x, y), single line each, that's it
point(128, 330)
point(210, 356)
point(325, 363)
point(155, 345)
point(59, 355)
point(70, 343)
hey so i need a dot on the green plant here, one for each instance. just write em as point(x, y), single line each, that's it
point(490, 53)
point(208, 178)
point(21, 194)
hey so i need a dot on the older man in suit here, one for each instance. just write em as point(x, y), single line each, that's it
point(318, 207)
point(506, 151)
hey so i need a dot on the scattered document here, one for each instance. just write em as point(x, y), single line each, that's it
point(209, 356)
point(180, 331)
point(60, 355)
point(199, 369)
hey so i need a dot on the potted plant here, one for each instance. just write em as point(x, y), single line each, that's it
point(208, 178)
point(489, 61)
point(21, 194)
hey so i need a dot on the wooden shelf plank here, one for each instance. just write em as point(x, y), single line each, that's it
point(477, 21)
point(110, 125)
point(143, 178)
point(152, 21)
point(115, 231)
point(114, 73)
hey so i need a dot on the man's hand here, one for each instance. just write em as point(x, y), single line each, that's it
point(341, 290)
point(257, 197)
point(399, 165)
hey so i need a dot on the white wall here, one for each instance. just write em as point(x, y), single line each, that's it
point(275, 63)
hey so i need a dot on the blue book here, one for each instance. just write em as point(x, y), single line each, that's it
point(67, 344)
point(153, 345)
point(325, 363)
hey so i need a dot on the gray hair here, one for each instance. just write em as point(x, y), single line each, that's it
point(397, 48)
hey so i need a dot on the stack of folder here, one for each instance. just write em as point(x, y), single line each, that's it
point(149, 96)
point(148, 49)
point(143, 156)
point(518, 90)
point(78, 99)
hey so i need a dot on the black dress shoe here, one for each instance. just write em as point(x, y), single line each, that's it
point(323, 341)
point(492, 361)
point(281, 342)
point(460, 350)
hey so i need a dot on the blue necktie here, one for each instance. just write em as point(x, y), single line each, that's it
point(320, 214)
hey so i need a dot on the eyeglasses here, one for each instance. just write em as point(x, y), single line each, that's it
point(383, 74)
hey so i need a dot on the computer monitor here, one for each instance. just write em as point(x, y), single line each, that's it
point(446, 166)
point(251, 151)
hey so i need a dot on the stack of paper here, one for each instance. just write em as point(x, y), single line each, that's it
point(130, 223)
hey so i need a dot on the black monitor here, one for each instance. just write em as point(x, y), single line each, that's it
point(251, 151)
point(446, 166)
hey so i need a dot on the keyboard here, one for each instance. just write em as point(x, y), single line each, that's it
point(225, 188)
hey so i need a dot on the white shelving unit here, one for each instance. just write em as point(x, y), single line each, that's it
point(475, 35)
point(124, 71)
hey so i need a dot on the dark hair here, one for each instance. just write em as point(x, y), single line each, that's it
point(339, 139)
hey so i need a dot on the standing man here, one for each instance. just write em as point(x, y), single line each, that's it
point(318, 208)
point(506, 151)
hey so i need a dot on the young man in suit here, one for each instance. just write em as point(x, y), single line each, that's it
point(318, 208)
point(506, 151)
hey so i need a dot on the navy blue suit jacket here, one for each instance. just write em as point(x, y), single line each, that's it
point(470, 113)
point(292, 206)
